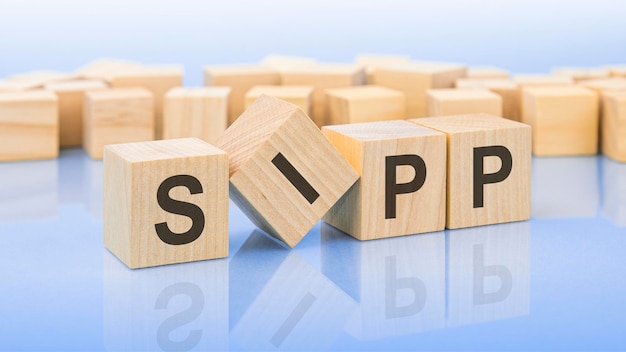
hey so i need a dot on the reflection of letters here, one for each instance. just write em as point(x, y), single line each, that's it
point(296, 315)
point(482, 271)
point(179, 319)
point(394, 284)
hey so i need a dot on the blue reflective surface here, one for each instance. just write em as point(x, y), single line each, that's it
point(555, 282)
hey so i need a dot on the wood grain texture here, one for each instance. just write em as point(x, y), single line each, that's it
point(372, 61)
point(442, 102)
point(299, 95)
point(322, 77)
point(71, 97)
point(415, 78)
point(157, 79)
point(133, 173)
point(538, 80)
point(240, 78)
point(119, 115)
point(504, 201)
point(263, 192)
point(364, 104)
point(29, 125)
point(580, 74)
point(361, 212)
point(506, 88)
point(564, 120)
point(614, 125)
point(196, 112)
point(485, 72)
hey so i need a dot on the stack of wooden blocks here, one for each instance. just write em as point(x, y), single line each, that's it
point(404, 147)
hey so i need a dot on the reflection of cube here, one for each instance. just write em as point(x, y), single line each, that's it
point(29, 125)
point(482, 72)
point(298, 95)
point(71, 97)
point(564, 120)
point(120, 115)
point(614, 191)
point(165, 202)
point(29, 189)
point(196, 112)
point(614, 125)
point(283, 173)
point(364, 104)
point(488, 169)
point(505, 88)
point(442, 102)
point(403, 179)
point(415, 78)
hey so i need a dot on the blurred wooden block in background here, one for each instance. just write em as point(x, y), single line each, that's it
point(489, 169)
point(484, 72)
point(614, 125)
point(442, 102)
point(104, 69)
point(118, 115)
point(415, 78)
point(505, 88)
point(299, 95)
point(322, 77)
point(579, 74)
point(240, 78)
point(617, 70)
point(71, 95)
point(33, 80)
point(364, 104)
point(29, 125)
point(165, 202)
point(564, 120)
point(196, 112)
point(402, 189)
point(158, 80)
point(538, 80)
point(280, 62)
point(606, 84)
point(275, 178)
point(372, 61)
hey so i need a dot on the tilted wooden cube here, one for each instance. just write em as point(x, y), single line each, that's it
point(322, 77)
point(364, 104)
point(415, 78)
point(29, 125)
point(505, 88)
point(373, 61)
point(442, 102)
point(120, 115)
point(165, 202)
point(240, 78)
point(283, 173)
point(158, 80)
point(402, 189)
point(196, 112)
point(564, 120)
point(71, 96)
point(299, 95)
point(488, 169)
point(485, 72)
point(614, 125)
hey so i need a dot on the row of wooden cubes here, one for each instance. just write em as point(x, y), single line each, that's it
point(167, 201)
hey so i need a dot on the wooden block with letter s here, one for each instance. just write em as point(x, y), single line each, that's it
point(489, 175)
point(284, 175)
point(402, 189)
point(165, 202)
point(364, 104)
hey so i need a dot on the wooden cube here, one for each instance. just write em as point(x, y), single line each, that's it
point(298, 95)
point(442, 102)
point(484, 72)
point(617, 70)
point(564, 120)
point(364, 104)
point(614, 125)
point(322, 77)
point(403, 179)
point(505, 88)
point(283, 173)
point(165, 202)
point(29, 125)
point(158, 80)
point(240, 78)
point(71, 96)
point(105, 69)
point(196, 112)
point(281, 62)
point(488, 169)
point(33, 80)
point(580, 74)
point(606, 84)
point(415, 78)
point(373, 61)
point(120, 115)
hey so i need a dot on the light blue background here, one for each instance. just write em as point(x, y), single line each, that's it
point(564, 270)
